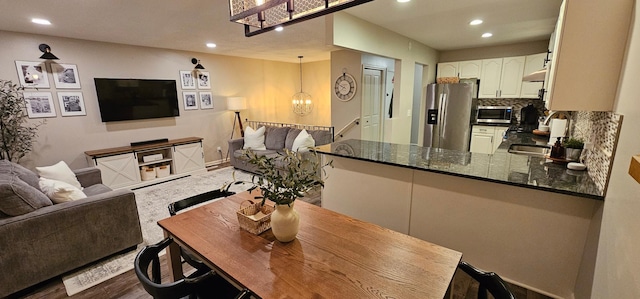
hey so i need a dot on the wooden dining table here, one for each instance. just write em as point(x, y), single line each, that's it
point(333, 256)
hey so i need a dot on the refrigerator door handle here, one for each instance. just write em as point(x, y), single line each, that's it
point(444, 115)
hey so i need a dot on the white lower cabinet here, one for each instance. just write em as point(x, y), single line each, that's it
point(119, 170)
point(188, 157)
point(486, 139)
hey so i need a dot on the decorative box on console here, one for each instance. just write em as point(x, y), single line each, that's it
point(163, 171)
point(150, 158)
point(147, 173)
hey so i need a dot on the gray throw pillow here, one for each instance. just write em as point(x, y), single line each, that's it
point(291, 136)
point(275, 137)
point(321, 137)
point(28, 176)
point(17, 197)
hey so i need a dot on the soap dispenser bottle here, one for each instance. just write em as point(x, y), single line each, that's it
point(557, 151)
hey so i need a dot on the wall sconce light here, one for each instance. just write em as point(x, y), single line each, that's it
point(266, 15)
point(198, 66)
point(301, 101)
point(44, 48)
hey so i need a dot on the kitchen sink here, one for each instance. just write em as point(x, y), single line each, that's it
point(529, 149)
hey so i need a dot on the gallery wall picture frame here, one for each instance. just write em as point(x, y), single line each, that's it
point(71, 103)
point(65, 75)
point(190, 100)
point(204, 80)
point(187, 81)
point(39, 104)
point(32, 74)
point(206, 100)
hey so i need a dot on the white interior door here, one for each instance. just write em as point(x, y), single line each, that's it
point(372, 99)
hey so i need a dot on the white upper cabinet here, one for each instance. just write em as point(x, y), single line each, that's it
point(532, 63)
point(447, 69)
point(490, 78)
point(588, 51)
point(511, 79)
point(469, 69)
point(501, 77)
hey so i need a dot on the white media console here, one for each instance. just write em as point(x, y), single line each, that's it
point(121, 167)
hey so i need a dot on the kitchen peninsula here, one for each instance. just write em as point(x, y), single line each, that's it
point(518, 215)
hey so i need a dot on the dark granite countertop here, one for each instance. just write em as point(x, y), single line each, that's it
point(501, 167)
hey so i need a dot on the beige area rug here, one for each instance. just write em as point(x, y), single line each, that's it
point(152, 204)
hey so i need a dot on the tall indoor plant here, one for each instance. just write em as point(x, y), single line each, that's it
point(16, 134)
point(304, 172)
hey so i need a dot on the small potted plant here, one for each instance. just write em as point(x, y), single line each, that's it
point(303, 173)
point(574, 148)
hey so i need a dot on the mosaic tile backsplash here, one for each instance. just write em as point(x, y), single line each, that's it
point(601, 129)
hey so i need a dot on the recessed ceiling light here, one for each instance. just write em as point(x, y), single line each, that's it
point(403, 1)
point(488, 34)
point(40, 21)
point(279, 28)
point(211, 45)
point(475, 22)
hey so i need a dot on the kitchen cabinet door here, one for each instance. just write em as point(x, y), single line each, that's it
point(469, 69)
point(498, 133)
point(532, 63)
point(448, 69)
point(490, 75)
point(587, 59)
point(511, 77)
point(481, 143)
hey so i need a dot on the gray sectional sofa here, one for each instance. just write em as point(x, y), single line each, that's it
point(278, 136)
point(41, 240)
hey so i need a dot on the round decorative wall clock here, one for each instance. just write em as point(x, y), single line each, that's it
point(345, 87)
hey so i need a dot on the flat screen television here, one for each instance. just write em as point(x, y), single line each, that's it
point(130, 99)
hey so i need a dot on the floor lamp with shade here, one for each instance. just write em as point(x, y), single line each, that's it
point(236, 104)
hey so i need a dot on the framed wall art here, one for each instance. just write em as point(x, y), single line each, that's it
point(190, 102)
point(65, 75)
point(39, 104)
point(187, 81)
point(71, 103)
point(206, 100)
point(204, 80)
point(32, 74)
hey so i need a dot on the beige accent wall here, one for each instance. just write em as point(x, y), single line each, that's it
point(618, 251)
point(358, 35)
point(519, 49)
point(267, 85)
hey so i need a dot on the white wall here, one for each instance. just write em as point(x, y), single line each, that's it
point(355, 34)
point(267, 85)
point(618, 256)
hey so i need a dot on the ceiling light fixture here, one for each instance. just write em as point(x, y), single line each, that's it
point(40, 21)
point(198, 66)
point(488, 34)
point(476, 22)
point(44, 48)
point(265, 15)
point(279, 28)
point(301, 101)
point(211, 45)
point(403, 1)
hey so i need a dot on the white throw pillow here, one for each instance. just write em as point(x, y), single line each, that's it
point(303, 142)
point(59, 191)
point(254, 139)
point(59, 172)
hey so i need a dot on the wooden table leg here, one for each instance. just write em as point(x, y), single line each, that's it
point(174, 261)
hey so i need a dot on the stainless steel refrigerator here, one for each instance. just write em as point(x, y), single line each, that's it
point(450, 115)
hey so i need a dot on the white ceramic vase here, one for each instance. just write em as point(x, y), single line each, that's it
point(285, 222)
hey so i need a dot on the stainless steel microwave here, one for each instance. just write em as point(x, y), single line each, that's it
point(494, 114)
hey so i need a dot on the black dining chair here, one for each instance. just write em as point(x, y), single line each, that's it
point(180, 205)
point(489, 282)
point(200, 284)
